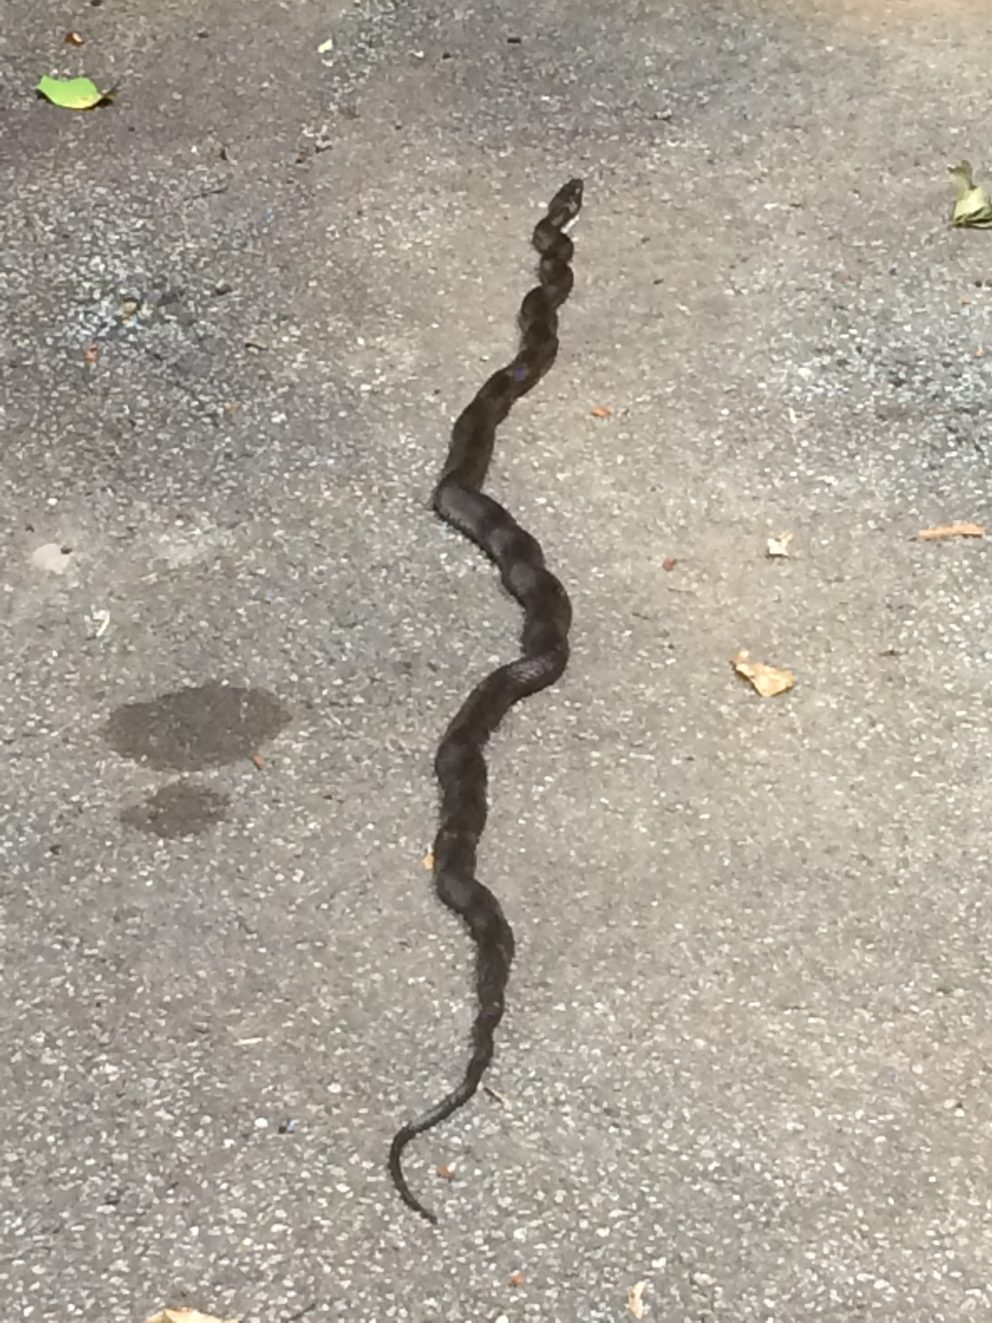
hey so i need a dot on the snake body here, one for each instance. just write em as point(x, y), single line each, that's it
point(460, 764)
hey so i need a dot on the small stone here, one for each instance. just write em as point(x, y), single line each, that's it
point(52, 557)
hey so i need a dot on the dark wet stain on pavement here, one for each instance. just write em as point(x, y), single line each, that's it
point(203, 726)
point(177, 810)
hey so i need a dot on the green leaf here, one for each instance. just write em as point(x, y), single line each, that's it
point(73, 93)
point(972, 206)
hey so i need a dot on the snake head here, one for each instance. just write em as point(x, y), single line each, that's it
point(569, 197)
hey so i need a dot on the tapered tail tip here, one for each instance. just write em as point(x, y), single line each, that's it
point(400, 1141)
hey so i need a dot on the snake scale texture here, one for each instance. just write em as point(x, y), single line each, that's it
point(460, 763)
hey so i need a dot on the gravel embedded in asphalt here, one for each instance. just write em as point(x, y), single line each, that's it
point(745, 1059)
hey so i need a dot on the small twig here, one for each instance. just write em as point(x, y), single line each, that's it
point(301, 1313)
point(206, 192)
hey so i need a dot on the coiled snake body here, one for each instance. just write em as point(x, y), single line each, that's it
point(460, 763)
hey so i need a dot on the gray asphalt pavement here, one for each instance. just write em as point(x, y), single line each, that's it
point(747, 1055)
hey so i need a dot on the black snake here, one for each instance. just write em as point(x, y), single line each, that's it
point(460, 763)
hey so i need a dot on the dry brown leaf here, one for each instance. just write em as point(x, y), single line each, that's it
point(601, 411)
point(91, 354)
point(767, 680)
point(258, 760)
point(635, 1299)
point(951, 530)
point(669, 563)
point(517, 1278)
point(427, 863)
point(73, 39)
point(446, 1173)
point(187, 1316)
point(779, 546)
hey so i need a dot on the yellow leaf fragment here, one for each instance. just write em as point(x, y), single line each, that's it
point(779, 546)
point(187, 1316)
point(635, 1299)
point(972, 205)
point(767, 680)
point(427, 863)
point(951, 530)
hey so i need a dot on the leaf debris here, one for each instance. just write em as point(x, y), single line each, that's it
point(779, 546)
point(768, 681)
point(73, 93)
point(635, 1299)
point(972, 206)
